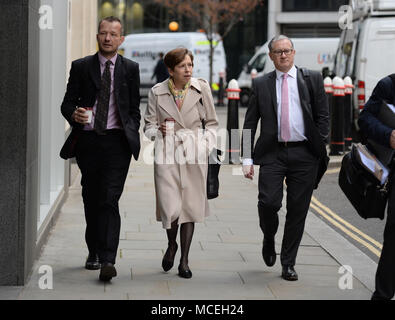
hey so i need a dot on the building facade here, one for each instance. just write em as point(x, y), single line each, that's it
point(304, 18)
point(41, 39)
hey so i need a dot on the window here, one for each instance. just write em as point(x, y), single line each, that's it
point(312, 5)
point(301, 30)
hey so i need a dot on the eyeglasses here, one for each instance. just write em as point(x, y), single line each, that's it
point(279, 53)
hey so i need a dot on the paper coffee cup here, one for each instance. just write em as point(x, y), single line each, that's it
point(89, 112)
point(169, 124)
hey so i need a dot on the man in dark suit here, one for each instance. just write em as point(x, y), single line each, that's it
point(294, 129)
point(373, 129)
point(108, 84)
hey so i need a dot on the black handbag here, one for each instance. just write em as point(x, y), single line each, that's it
point(365, 192)
point(214, 164)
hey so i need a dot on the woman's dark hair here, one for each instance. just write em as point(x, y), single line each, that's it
point(175, 56)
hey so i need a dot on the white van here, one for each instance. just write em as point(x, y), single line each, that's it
point(145, 47)
point(311, 53)
point(366, 52)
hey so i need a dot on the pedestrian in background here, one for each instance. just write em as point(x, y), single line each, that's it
point(160, 71)
point(294, 130)
point(108, 85)
point(175, 110)
point(374, 129)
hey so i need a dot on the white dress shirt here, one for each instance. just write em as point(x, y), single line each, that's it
point(295, 109)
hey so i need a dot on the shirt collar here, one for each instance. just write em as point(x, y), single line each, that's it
point(103, 60)
point(292, 73)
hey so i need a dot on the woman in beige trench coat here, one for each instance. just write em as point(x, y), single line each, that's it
point(173, 119)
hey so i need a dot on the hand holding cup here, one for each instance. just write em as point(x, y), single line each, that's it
point(167, 127)
point(83, 115)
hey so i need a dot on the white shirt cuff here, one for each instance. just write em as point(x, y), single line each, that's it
point(247, 162)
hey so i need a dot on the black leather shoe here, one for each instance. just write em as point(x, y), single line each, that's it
point(184, 273)
point(92, 262)
point(168, 258)
point(269, 252)
point(289, 273)
point(107, 271)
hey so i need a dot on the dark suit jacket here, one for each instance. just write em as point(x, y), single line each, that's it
point(263, 106)
point(368, 121)
point(84, 86)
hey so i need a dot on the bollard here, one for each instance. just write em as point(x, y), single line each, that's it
point(337, 120)
point(329, 92)
point(348, 114)
point(221, 90)
point(232, 126)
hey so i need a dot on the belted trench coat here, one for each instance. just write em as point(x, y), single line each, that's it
point(180, 158)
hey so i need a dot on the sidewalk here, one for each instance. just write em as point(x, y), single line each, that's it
point(225, 255)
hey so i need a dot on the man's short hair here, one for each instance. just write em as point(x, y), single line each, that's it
point(277, 38)
point(110, 19)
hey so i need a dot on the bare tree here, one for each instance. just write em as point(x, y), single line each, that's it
point(214, 16)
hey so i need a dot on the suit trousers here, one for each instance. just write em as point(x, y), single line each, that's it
point(104, 163)
point(298, 166)
point(385, 274)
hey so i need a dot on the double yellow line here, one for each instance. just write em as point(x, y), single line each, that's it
point(346, 227)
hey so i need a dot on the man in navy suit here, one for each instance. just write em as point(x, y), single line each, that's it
point(108, 84)
point(294, 129)
point(380, 133)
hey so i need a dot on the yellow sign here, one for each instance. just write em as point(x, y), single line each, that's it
point(206, 43)
point(215, 86)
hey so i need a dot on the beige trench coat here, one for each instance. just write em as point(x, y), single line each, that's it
point(180, 167)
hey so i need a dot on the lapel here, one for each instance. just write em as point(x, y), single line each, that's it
point(273, 90)
point(304, 94)
point(118, 76)
point(94, 70)
point(167, 103)
point(192, 97)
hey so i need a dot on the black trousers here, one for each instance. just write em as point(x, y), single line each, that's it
point(104, 163)
point(298, 166)
point(385, 274)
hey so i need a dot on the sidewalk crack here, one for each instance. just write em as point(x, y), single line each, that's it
point(241, 278)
